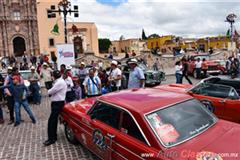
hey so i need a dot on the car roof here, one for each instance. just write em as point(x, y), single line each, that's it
point(213, 79)
point(144, 100)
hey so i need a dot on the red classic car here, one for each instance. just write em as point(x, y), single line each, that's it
point(219, 95)
point(212, 65)
point(221, 66)
point(148, 124)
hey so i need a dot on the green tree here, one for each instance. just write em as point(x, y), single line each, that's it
point(144, 37)
point(104, 45)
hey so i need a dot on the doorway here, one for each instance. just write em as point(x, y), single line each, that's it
point(19, 46)
point(78, 47)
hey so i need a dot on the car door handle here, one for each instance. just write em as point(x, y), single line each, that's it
point(111, 136)
point(222, 101)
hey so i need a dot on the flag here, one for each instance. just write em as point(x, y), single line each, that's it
point(236, 33)
point(228, 34)
point(55, 29)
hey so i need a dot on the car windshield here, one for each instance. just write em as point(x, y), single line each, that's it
point(25, 75)
point(180, 122)
point(201, 57)
point(211, 88)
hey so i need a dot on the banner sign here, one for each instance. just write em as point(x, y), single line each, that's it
point(65, 54)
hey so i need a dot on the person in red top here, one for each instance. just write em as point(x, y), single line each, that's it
point(46, 59)
point(62, 68)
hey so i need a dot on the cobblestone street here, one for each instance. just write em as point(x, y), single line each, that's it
point(25, 142)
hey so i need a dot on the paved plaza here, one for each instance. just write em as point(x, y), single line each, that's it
point(25, 141)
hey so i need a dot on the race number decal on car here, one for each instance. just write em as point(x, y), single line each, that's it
point(99, 139)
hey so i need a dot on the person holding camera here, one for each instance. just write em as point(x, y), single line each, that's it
point(58, 95)
point(115, 77)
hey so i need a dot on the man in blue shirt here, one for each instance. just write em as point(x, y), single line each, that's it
point(19, 93)
point(92, 85)
point(7, 91)
point(136, 75)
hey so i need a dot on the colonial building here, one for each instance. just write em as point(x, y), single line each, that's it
point(128, 45)
point(83, 35)
point(18, 27)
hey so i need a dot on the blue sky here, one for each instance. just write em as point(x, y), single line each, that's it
point(112, 2)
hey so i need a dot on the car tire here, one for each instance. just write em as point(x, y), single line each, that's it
point(70, 135)
point(208, 105)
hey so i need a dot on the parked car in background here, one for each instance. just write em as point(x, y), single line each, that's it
point(221, 66)
point(148, 124)
point(25, 74)
point(219, 95)
point(213, 68)
point(152, 78)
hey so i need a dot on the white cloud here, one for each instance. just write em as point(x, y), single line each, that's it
point(188, 18)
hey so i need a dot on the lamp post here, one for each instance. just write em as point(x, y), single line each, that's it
point(64, 7)
point(231, 19)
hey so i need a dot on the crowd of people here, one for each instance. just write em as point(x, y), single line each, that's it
point(64, 86)
point(201, 66)
point(232, 67)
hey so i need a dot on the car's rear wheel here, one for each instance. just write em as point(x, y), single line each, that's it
point(70, 135)
point(208, 105)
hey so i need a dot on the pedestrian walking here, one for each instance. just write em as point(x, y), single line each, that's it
point(34, 86)
point(204, 67)
point(82, 74)
point(115, 77)
point(19, 92)
point(77, 89)
point(178, 72)
point(92, 85)
point(70, 95)
point(10, 101)
point(198, 66)
point(234, 68)
point(156, 65)
point(46, 75)
point(136, 75)
point(58, 95)
point(185, 70)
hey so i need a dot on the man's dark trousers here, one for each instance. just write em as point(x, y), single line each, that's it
point(10, 104)
point(56, 108)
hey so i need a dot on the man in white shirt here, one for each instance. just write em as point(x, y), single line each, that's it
point(115, 76)
point(46, 75)
point(58, 95)
point(198, 66)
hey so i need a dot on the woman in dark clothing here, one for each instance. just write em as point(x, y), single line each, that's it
point(185, 70)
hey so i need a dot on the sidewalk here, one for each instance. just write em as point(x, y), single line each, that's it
point(169, 71)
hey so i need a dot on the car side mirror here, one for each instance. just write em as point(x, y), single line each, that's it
point(92, 116)
point(190, 92)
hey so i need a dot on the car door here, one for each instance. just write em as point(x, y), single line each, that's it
point(232, 106)
point(104, 122)
point(212, 96)
point(131, 142)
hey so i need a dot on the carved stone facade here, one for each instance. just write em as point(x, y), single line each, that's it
point(18, 27)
